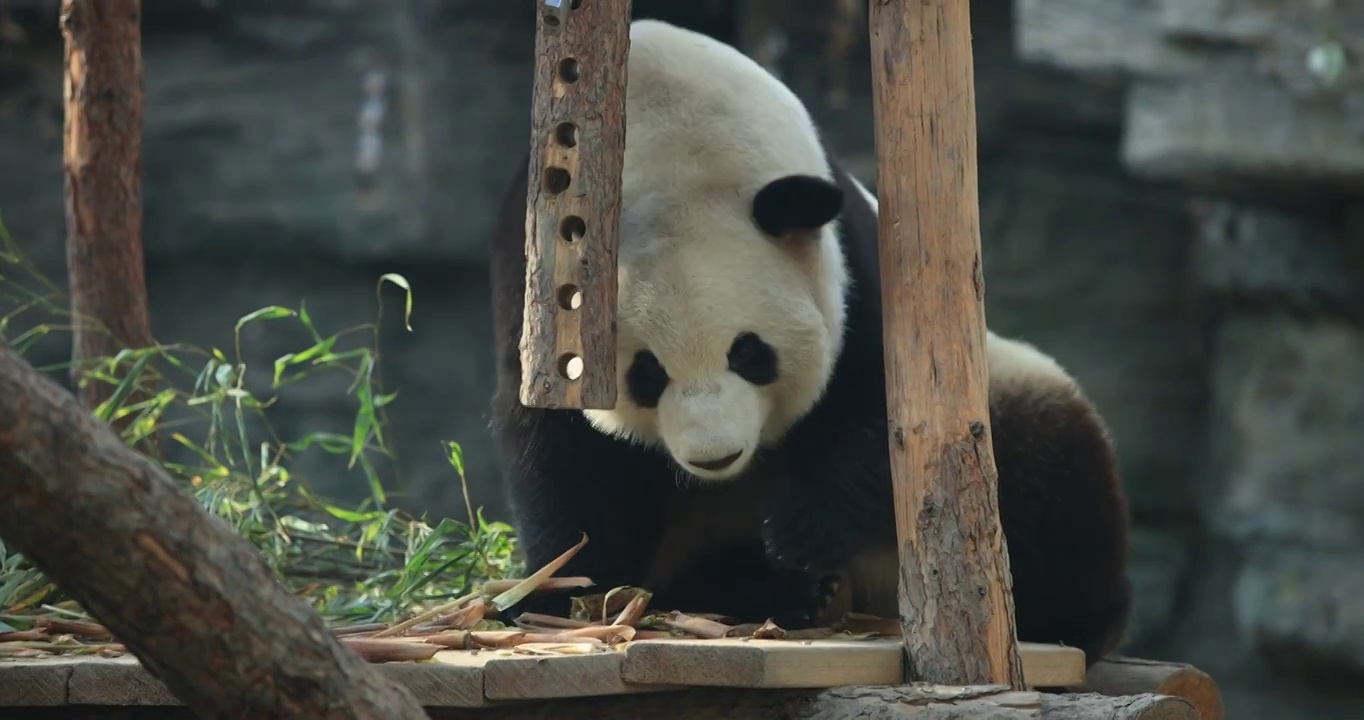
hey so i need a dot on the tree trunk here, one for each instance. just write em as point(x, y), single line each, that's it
point(103, 169)
point(1116, 675)
point(194, 601)
point(908, 702)
point(853, 703)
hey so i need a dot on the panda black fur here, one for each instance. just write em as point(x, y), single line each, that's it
point(745, 470)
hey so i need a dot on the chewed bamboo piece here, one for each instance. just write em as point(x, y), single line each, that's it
point(601, 622)
point(80, 628)
point(536, 620)
point(698, 626)
point(378, 651)
point(560, 583)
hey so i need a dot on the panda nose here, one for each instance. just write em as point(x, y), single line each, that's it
point(718, 463)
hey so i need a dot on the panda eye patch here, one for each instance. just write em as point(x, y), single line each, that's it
point(752, 359)
point(646, 379)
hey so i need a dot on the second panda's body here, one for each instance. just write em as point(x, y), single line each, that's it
point(745, 467)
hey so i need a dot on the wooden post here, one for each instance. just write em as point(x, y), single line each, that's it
point(956, 596)
point(102, 160)
point(568, 337)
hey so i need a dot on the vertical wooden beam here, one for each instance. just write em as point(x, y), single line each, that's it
point(568, 337)
point(955, 589)
point(102, 160)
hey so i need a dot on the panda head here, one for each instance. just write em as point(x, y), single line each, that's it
point(730, 317)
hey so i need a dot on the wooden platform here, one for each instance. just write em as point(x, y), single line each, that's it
point(470, 679)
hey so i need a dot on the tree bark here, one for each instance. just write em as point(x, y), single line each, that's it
point(1116, 675)
point(916, 702)
point(853, 703)
point(568, 337)
point(955, 589)
point(103, 169)
point(194, 601)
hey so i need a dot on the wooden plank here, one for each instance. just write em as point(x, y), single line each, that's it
point(1051, 665)
point(470, 679)
point(116, 681)
point(568, 332)
point(812, 664)
point(26, 683)
point(453, 678)
point(521, 677)
point(764, 663)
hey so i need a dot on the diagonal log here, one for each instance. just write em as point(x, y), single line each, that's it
point(192, 599)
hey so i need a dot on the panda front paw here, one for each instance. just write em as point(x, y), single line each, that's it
point(809, 602)
point(558, 604)
point(828, 606)
point(803, 547)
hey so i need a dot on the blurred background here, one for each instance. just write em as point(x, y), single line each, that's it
point(1171, 197)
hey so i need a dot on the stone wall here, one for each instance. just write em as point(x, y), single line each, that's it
point(1257, 110)
point(1219, 343)
point(259, 190)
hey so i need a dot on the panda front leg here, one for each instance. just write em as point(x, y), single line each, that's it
point(739, 580)
point(563, 480)
point(830, 500)
point(617, 549)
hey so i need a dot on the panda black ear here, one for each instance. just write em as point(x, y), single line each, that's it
point(796, 202)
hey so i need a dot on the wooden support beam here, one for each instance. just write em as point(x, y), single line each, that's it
point(568, 336)
point(956, 597)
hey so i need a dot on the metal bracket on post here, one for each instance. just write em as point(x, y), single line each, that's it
point(555, 13)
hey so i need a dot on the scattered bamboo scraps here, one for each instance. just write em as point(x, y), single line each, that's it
point(601, 622)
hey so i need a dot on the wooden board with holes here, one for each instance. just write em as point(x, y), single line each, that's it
point(812, 664)
point(468, 679)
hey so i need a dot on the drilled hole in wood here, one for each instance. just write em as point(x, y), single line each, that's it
point(570, 297)
point(570, 366)
point(557, 180)
point(575, 4)
point(566, 134)
point(573, 228)
point(568, 70)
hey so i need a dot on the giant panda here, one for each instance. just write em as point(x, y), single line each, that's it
point(744, 469)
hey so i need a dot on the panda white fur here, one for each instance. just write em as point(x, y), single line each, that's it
point(744, 469)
